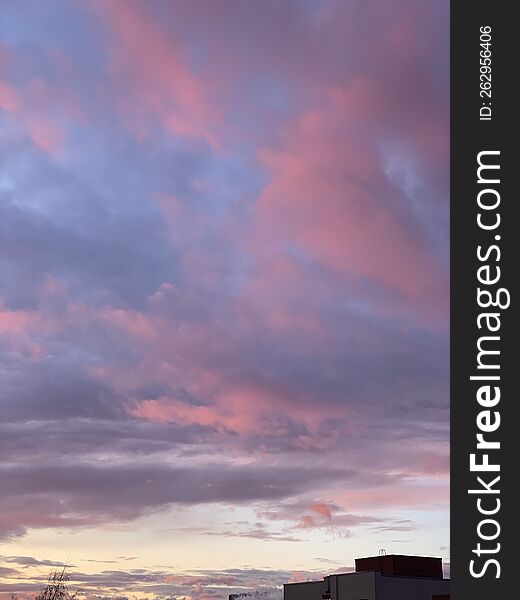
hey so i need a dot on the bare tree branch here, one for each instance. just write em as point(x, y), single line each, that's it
point(57, 587)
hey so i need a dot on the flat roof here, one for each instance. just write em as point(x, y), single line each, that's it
point(364, 573)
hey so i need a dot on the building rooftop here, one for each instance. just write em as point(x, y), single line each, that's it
point(401, 565)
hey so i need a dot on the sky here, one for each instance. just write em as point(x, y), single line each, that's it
point(224, 334)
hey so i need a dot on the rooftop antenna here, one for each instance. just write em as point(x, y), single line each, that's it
point(382, 553)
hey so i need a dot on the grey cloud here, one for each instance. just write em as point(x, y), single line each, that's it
point(83, 495)
point(31, 561)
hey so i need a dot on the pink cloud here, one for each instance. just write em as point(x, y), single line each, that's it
point(9, 100)
point(420, 494)
point(25, 331)
point(45, 134)
point(321, 508)
point(33, 121)
point(131, 321)
point(25, 322)
point(15, 321)
point(241, 409)
point(153, 71)
point(328, 195)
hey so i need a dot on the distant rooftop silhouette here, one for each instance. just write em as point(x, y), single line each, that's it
point(384, 577)
point(402, 565)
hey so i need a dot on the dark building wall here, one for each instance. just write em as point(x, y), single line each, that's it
point(369, 586)
point(346, 586)
point(409, 588)
point(402, 565)
point(353, 586)
point(307, 590)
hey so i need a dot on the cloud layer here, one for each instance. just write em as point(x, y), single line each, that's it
point(224, 268)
